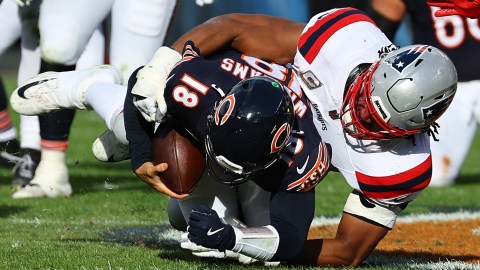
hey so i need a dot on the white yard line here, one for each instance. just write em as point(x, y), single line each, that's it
point(317, 221)
point(407, 263)
point(411, 218)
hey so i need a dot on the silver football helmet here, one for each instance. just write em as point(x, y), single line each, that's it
point(402, 93)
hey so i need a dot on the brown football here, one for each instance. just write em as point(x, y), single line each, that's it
point(175, 146)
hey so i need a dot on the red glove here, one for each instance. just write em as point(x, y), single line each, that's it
point(466, 8)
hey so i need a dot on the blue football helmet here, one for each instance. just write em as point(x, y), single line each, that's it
point(248, 130)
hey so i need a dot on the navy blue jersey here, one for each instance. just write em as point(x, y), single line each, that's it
point(457, 36)
point(194, 87)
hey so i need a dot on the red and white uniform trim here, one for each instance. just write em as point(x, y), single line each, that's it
point(332, 44)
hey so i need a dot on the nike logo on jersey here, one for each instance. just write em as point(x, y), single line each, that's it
point(302, 169)
point(210, 232)
point(21, 90)
point(316, 172)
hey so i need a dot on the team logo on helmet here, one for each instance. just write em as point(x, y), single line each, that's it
point(404, 59)
point(224, 110)
point(436, 109)
point(280, 139)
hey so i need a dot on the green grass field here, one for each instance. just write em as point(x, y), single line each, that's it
point(115, 221)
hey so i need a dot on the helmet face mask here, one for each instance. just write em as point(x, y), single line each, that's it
point(248, 130)
point(401, 94)
point(226, 172)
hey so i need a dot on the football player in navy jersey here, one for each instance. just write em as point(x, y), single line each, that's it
point(374, 103)
point(195, 92)
point(459, 38)
point(255, 123)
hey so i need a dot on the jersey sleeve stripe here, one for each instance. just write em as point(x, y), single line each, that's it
point(381, 187)
point(318, 171)
point(312, 41)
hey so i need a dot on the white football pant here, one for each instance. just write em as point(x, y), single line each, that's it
point(138, 28)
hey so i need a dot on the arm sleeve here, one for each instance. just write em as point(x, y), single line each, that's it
point(291, 214)
point(139, 131)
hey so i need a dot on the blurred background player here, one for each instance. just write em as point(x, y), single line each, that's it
point(29, 65)
point(459, 38)
point(137, 29)
point(9, 145)
point(21, 21)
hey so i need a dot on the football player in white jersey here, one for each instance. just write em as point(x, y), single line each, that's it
point(138, 28)
point(460, 124)
point(374, 103)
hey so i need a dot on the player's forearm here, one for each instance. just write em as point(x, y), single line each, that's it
point(327, 252)
point(138, 131)
point(210, 36)
point(354, 241)
point(266, 37)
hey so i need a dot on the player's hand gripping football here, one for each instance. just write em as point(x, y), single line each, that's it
point(206, 229)
point(150, 85)
point(466, 8)
point(148, 173)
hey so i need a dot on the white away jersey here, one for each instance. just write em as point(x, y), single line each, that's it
point(332, 44)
